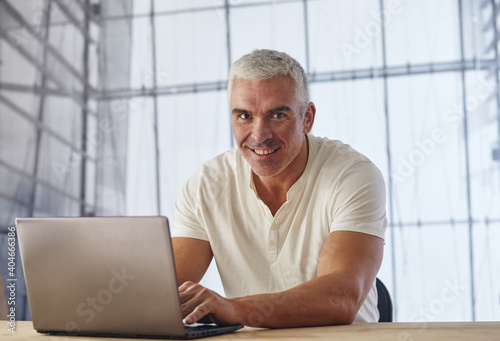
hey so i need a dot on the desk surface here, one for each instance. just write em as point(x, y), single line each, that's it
point(358, 331)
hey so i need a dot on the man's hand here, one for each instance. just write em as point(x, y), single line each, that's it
point(200, 304)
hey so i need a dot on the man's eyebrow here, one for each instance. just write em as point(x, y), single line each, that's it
point(236, 111)
point(282, 108)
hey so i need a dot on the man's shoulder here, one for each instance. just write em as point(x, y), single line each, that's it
point(335, 153)
point(223, 166)
point(337, 163)
point(226, 161)
point(216, 176)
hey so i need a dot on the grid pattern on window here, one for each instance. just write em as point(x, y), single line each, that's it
point(107, 107)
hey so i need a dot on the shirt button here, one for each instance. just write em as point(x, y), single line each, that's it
point(272, 243)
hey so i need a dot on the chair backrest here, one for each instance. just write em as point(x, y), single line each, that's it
point(384, 304)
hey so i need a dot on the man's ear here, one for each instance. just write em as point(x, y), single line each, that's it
point(309, 117)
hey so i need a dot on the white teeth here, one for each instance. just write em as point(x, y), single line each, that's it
point(264, 152)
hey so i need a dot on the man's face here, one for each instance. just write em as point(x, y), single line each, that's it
point(268, 126)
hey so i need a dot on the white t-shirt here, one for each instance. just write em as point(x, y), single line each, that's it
point(340, 189)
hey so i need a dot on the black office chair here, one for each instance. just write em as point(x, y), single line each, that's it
point(384, 304)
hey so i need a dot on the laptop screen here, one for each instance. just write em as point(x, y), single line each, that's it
point(111, 275)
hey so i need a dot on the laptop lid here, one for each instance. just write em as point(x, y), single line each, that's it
point(100, 275)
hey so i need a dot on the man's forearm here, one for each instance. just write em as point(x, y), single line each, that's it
point(325, 300)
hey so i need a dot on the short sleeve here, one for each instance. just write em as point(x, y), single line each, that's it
point(359, 201)
point(186, 221)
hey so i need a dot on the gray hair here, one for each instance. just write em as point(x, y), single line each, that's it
point(266, 64)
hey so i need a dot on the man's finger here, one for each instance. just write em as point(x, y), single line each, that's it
point(188, 290)
point(198, 313)
point(186, 286)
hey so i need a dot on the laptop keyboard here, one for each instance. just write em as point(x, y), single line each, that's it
point(200, 326)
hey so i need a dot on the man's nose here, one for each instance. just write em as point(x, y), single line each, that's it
point(261, 131)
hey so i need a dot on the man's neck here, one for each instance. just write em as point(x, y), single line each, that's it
point(273, 190)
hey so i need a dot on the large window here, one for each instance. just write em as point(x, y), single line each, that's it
point(128, 98)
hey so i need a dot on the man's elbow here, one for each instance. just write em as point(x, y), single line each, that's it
point(344, 313)
point(348, 316)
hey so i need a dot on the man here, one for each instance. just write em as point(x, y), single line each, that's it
point(295, 222)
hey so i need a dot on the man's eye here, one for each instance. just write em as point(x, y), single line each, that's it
point(279, 115)
point(244, 116)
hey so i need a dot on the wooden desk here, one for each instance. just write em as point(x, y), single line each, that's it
point(359, 331)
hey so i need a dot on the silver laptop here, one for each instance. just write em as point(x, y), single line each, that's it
point(106, 276)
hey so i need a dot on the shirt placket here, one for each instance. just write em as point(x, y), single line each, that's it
point(272, 242)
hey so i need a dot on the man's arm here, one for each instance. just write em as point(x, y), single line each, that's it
point(348, 264)
point(192, 258)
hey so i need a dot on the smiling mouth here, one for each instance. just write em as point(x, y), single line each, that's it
point(264, 152)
